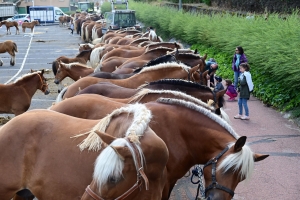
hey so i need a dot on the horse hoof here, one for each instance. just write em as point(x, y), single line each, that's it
point(58, 91)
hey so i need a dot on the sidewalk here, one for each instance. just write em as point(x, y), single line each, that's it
point(268, 132)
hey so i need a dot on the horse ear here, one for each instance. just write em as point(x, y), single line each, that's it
point(221, 93)
point(205, 73)
point(205, 56)
point(259, 157)
point(122, 152)
point(105, 137)
point(196, 51)
point(240, 143)
point(43, 71)
point(193, 69)
point(31, 70)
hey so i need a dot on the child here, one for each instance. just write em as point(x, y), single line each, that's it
point(219, 86)
point(245, 87)
point(231, 92)
point(72, 28)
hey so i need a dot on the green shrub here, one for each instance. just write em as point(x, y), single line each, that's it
point(105, 7)
point(271, 46)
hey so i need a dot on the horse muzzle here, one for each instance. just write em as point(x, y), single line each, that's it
point(47, 92)
point(56, 81)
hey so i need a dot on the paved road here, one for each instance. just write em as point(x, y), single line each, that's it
point(268, 132)
point(38, 52)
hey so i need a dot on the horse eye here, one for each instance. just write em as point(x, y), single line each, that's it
point(113, 180)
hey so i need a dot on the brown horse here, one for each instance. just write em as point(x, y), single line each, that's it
point(157, 72)
point(10, 47)
point(193, 136)
point(83, 57)
point(15, 98)
point(30, 25)
point(39, 156)
point(73, 70)
point(10, 24)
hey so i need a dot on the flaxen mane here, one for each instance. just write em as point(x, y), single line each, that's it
point(141, 119)
point(165, 65)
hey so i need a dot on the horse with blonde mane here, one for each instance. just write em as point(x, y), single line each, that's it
point(30, 25)
point(10, 47)
point(47, 160)
point(9, 25)
point(157, 72)
point(193, 135)
point(73, 70)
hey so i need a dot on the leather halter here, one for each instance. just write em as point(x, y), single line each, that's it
point(215, 184)
point(140, 173)
point(43, 84)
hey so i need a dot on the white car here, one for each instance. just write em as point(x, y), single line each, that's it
point(20, 18)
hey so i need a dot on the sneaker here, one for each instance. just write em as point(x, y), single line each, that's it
point(245, 118)
point(238, 116)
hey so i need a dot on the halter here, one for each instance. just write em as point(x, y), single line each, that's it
point(43, 84)
point(140, 173)
point(214, 183)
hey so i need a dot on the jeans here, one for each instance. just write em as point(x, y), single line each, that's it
point(243, 102)
point(236, 79)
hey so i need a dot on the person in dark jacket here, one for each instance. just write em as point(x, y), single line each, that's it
point(219, 86)
point(238, 58)
point(211, 66)
point(245, 88)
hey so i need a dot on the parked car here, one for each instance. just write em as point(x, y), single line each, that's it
point(20, 18)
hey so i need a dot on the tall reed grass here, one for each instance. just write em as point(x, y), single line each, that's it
point(272, 45)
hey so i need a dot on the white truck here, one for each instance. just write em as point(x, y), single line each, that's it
point(7, 10)
point(45, 14)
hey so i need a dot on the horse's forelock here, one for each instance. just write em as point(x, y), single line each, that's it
point(242, 160)
point(113, 165)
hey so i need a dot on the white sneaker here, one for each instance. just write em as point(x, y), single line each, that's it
point(238, 116)
point(245, 118)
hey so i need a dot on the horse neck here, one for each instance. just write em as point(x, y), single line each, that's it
point(200, 139)
point(77, 71)
point(30, 84)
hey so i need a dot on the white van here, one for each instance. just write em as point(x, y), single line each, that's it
point(45, 14)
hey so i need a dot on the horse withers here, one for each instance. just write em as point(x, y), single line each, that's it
point(10, 24)
point(15, 98)
point(10, 47)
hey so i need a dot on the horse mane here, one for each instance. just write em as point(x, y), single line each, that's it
point(155, 49)
point(70, 65)
point(242, 160)
point(113, 165)
point(141, 119)
point(83, 53)
point(164, 66)
point(138, 96)
point(181, 82)
point(156, 61)
point(138, 40)
point(26, 76)
point(202, 110)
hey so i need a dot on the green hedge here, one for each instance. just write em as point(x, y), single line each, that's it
point(270, 45)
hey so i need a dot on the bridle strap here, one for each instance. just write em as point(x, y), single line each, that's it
point(43, 84)
point(92, 193)
point(214, 183)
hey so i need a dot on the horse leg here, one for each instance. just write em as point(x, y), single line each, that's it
point(17, 30)
point(1, 62)
point(12, 60)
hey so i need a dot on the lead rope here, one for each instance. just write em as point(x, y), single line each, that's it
point(198, 171)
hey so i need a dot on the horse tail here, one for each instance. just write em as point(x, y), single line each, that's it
point(15, 47)
point(54, 67)
point(60, 96)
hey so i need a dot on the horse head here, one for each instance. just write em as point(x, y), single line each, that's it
point(44, 85)
point(223, 172)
